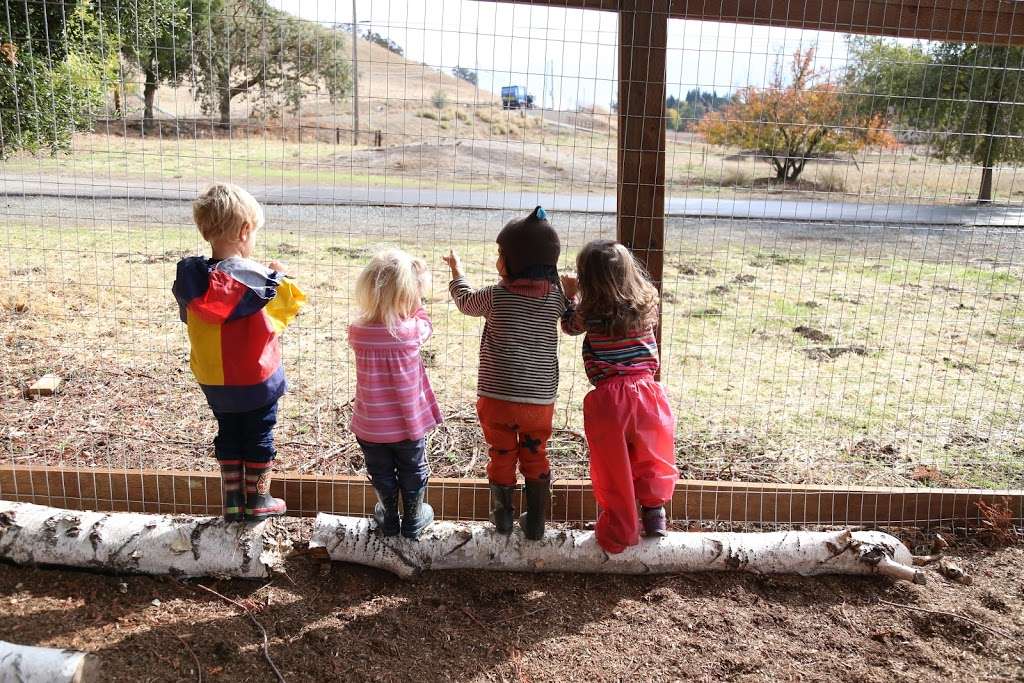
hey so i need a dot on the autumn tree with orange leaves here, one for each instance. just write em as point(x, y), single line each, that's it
point(794, 121)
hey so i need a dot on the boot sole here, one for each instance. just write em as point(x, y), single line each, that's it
point(259, 517)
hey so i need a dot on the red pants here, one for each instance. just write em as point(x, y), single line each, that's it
point(517, 433)
point(631, 433)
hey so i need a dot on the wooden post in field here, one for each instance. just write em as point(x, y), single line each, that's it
point(355, 77)
point(640, 195)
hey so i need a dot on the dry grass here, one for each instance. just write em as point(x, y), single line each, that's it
point(936, 384)
point(506, 150)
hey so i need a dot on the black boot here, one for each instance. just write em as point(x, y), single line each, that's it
point(416, 514)
point(655, 521)
point(502, 511)
point(385, 513)
point(538, 498)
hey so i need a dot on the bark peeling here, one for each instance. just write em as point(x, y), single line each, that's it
point(450, 545)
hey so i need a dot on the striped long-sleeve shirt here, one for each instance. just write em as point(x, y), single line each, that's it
point(394, 401)
point(612, 355)
point(519, 346)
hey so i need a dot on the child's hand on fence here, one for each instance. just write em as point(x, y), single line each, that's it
point(569, 286)
point(279, 267)
point(454, 263)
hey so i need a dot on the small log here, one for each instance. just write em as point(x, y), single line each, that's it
point(450, 545)
point(26, 664)
point(138, 543)
point(47, 385)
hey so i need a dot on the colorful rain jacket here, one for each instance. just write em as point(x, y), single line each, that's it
point(235, 309)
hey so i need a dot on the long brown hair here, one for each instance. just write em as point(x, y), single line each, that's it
point(614, 289)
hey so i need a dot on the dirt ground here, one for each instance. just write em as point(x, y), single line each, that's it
point(339, 622)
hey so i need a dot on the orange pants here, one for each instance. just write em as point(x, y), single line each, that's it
point(630, 432)
point(517, 434)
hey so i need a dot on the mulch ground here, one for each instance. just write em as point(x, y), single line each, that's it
point(340, 622)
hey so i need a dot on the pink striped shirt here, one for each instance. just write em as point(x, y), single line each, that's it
point(394, 401)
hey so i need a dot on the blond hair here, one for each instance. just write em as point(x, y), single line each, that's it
point(223, 209)
point(390, 288)
point(614, 290)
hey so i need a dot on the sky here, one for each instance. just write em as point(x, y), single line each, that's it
point(517, 44)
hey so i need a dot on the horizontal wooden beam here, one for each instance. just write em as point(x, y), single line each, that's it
point(467, 499)
point(970, 21)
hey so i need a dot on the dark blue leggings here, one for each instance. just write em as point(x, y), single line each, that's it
point(396, 466)
point(246, 436)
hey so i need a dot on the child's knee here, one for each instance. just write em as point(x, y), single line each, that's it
point(534, 462)
point(261, 450)
point(501, 469)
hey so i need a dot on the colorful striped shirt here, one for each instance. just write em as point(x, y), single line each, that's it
point(519, 346)
point(235, 310)
point(394, 401)
point(612, 355)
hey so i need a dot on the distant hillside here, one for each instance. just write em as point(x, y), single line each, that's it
point(408, 102)
point(385, 79)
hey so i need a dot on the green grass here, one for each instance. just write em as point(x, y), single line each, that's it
point(940, 380)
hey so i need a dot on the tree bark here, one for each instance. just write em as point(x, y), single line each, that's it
point(149, 96)
point(993, 144)
point(988, 164)
point(224, 97)
point(449, 545)
point(138, 543)
point(780, 169)
point(27, 664)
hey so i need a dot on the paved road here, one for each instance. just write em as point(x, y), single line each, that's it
point(21, 187)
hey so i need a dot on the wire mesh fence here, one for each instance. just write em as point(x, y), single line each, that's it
point(837, 308)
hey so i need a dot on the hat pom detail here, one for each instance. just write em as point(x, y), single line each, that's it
point(540, 214)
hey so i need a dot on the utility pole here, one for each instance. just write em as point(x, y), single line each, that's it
point(355, 78)
point(544, 88)
point(551, 84)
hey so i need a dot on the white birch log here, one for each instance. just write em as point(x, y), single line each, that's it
point(449, 545)
point(26, 664)
point(139, 543)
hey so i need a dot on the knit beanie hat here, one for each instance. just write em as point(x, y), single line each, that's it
point(529, 242)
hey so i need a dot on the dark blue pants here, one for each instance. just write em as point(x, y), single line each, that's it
point(246, 436)
point(396, 466)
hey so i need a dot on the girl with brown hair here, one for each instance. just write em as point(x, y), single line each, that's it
point(627, 419)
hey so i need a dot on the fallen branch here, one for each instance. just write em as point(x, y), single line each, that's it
point(993, 631)
point(450, 545)
point(26, 664)
point(195, 658)
point(138, 543)
point(252, 617)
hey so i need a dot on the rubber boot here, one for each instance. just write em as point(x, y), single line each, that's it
point(416, 514)
point(655, 521)
point(502, 511)
point(538, 499)
point(385, 512)
point(259, 504)
point(231, 490)
point(234, 506)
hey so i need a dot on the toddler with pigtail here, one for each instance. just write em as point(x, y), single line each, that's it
point(518, 377)
point(627, 419)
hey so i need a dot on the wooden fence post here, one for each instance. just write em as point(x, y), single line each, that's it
point(640, 190)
